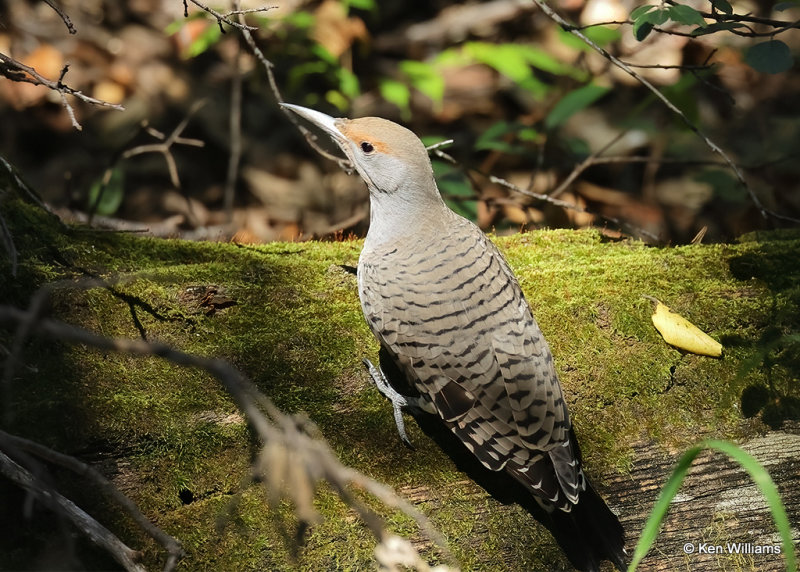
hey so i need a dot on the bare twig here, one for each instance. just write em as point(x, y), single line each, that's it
point(63, 15)
point(571, 206)
point(585, 164)
point(234, 129)
point(765, 212)
point(292, 117)
point(226, 18)
point(164, 148)
point(779, 26)
point(95, 531)
point(436, 149)
point(17, 71)
point(683, 67)
point(550, 198)
point(171, 545)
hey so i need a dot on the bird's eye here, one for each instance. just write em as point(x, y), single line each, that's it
point(367, 147)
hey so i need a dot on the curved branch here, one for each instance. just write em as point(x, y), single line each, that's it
point(765, 212)
point(17, 71)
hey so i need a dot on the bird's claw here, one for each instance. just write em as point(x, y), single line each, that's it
point(399, 402)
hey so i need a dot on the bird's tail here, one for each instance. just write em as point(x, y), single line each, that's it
point(590, 532)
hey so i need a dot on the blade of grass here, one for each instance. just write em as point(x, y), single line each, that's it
point(757, 473)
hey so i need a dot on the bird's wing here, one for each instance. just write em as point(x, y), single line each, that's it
point(455, 321)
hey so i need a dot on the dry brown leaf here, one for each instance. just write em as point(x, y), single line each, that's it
point(334, 31)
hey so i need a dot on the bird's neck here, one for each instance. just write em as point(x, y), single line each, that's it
point(404, 214)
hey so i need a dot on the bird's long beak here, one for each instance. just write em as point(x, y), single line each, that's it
point(324, 122)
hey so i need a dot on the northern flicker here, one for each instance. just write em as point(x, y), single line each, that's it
point(446, 307)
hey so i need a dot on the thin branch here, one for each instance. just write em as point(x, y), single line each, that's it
point(571, 206)
point(765, 212)
point(164, 148)
point(95, 531)
point(292, 117)
point(234, 128)
point(63, 15)
point(171, 545)
point(585, 164)
point(684, 67)
point(226, 18)
point(780, 25)
point(17, 71)
point(436, 148)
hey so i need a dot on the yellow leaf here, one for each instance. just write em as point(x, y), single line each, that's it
point(681, 333)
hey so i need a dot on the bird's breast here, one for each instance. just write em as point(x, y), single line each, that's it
point(452, 290)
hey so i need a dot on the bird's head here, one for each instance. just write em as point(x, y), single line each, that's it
point(389, 157)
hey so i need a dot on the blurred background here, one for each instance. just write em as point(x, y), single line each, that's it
point(202, 151)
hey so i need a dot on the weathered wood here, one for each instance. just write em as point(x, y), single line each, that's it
point(718, 510)
point(717, 505)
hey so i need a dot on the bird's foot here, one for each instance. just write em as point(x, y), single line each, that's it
point(399, 402)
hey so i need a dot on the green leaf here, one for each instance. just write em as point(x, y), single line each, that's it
point(542, 60)
point(367, 5)
point(686, 15)
point(504, 58)
point(574, 102)
point(757, 473)
point(577, 146)
point(491, 138)
point(511, 61)
point(723, 6)
point(453, 57)
point(769, 57)
point(644, 23)
point(105, 199)
point(600, 35)
point(641, 10)
point(642, 29)
point(425, 78)
point(494, 138)
point(456, 189)
point(322, 53)
point(299, 72)
point(204, 41)
point(657, 17)
point(528, 134)
point(716, 27)
point(174, 26)
point(300, 20)
point(338, 100)
point(348, 83)
point(395, 92)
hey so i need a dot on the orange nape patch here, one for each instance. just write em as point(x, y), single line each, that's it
point(373, 129)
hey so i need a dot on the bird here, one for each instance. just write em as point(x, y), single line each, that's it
point(450, 315)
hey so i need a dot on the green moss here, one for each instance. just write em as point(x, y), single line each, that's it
point(295, 328)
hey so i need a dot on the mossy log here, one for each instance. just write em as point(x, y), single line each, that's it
point(287, 315)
